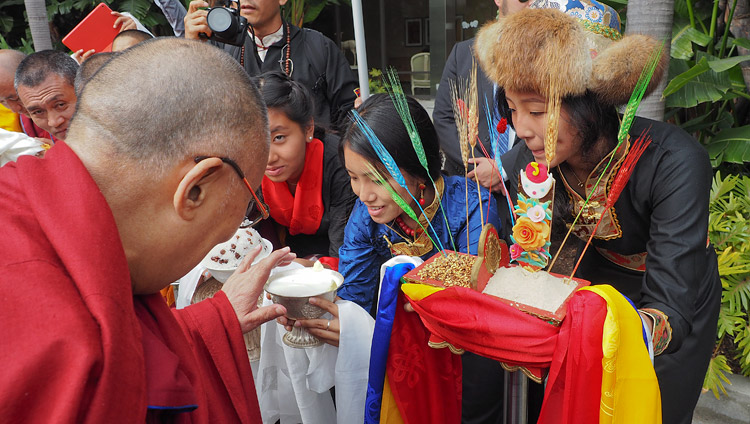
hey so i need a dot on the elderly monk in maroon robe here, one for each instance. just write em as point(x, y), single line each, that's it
point(138, 193)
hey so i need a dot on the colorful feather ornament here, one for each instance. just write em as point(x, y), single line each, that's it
point(393, 86)
point(621, 179)
point(389, 164)
point(622, 135)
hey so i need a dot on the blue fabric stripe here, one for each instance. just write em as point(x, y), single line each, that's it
point(381, 340)
point(184, 408)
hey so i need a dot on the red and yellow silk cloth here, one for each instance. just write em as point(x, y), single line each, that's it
point(422, 384)
point(302, 212)
point(599, 369)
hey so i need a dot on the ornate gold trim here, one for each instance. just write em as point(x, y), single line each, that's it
point(444, 344)
point(422, 245)
point(524, 370)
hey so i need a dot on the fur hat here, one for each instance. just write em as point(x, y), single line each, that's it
point(562, 49)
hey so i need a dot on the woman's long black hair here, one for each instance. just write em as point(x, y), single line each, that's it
point(381, 115)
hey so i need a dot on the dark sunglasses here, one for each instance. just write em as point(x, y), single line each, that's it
point(256, 210)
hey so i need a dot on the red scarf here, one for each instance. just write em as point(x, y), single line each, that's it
point(302, 212)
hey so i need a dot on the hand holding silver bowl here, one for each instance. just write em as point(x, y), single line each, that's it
point(293, 289)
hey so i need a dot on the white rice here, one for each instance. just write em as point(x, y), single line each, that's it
point(537, 289)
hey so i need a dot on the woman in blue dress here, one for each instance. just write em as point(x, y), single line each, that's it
point(378, 228)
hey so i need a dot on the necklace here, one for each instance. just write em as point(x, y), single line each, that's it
point(405, 228)
point(288, 46)
point(579, 182)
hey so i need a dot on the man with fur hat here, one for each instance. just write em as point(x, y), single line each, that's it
point(156, 169)
point(563, 74)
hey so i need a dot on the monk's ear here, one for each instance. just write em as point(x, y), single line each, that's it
point(192, 190)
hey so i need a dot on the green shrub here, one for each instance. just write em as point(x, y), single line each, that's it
point(729, 231)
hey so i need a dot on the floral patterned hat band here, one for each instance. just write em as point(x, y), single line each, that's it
point(564, 48)
point(596, 17)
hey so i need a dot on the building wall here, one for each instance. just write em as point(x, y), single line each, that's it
point(395, 50)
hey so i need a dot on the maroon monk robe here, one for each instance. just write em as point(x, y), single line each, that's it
point(75, 345)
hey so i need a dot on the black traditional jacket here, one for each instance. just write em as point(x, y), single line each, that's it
point(652, 245)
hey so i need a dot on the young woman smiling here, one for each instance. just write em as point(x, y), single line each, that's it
point(652, 243)
point(378, 228)
point(305, 186)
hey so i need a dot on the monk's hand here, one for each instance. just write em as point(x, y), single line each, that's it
point(245, 286)
point(485, 173)
point(196, 22)
point(327, 330)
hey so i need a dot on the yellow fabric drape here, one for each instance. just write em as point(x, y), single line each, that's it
point(389, 413)
point(419, 291)
point(9, 120)
point(630, 390)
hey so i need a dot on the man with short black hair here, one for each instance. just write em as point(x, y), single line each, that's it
point(9, 61)
point(45, 85)
point(156, 169)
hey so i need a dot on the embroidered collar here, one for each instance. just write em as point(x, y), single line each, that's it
point(422, 245)
point(610, 227)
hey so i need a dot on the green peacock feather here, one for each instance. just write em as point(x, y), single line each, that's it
point(393, 85)
point(377, 177)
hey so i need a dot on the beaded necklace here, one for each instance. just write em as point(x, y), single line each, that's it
point(288, 46)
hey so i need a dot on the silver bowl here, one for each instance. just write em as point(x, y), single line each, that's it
point(296, 300)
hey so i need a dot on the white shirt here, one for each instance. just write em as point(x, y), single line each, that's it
point(267, 41)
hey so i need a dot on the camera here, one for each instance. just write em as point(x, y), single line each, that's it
point(226, 24)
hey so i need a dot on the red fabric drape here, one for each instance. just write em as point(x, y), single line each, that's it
point(425, 382)
point(571, 352)
point(75, 342)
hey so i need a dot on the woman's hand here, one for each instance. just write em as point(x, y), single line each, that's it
point(485, 173)
point(246, 284)
point(124, 22)
point(195, 21)
point(324, 329)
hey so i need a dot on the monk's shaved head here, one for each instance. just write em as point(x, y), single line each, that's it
point(167, 100)
point(9, 60)
point(89, 67)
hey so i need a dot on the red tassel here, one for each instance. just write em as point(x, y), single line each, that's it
point(621, 179)
point(626, 170)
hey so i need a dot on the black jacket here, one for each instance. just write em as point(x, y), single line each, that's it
point(663, 211)
point(317, 64)
point(458, 65)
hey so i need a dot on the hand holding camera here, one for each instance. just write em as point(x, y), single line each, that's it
point(221, 22)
